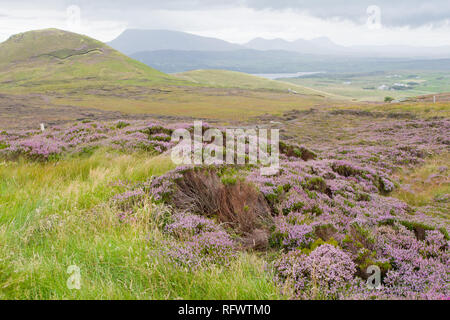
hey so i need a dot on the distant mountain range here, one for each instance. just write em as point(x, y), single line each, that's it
point(135, 41)
point(314, 46)
point(325, 46)
point(54, 55)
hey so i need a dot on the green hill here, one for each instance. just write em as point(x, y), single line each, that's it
point(57, 59)
point(232, 79)
point(49, 75)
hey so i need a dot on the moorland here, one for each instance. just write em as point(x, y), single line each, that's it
point(362, 183)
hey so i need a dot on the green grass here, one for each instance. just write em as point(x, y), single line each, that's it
point(366, 86)
point(420, 109)
point(55, 215)
point(208, 103)
point(423, 185)
point(232, 79)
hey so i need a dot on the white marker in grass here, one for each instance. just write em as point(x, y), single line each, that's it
point(42, 127)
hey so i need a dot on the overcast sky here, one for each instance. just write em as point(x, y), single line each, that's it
point(349, 22)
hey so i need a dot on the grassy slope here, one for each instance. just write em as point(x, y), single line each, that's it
point(53, 216)
point(53, 59)
point(420, 109)
point(232, 79)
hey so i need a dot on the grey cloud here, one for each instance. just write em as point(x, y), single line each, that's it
point(393, 12)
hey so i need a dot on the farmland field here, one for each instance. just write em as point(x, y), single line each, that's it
point(375, 86)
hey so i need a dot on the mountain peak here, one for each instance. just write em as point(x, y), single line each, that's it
point(138, 40)
point(322, 40)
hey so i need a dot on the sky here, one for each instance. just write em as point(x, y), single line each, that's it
point(348, 23)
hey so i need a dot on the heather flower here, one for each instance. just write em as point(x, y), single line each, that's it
point(185, 226)
point(321, 275)
point(204, 249)
point(293, 235)
point(160, 136)
point(162, 187)
point(36, 147)
point(217, 246)
point(121, 135)
point(127, 200)
point(386, 185)
point(435, 243)
point(181, 254)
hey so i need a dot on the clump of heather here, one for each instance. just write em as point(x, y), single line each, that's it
point(161, 188)
point(36, 147)
point(197, 240)
point(332, 219)
point(291, 235)
point(419, 268)
point(387, 145)
point(129, 199)
point(348, 203)
point(435, 243)
point(185, 226)
point(214, 246)
point(323, 274)
point(204, 249)
point(79, 137)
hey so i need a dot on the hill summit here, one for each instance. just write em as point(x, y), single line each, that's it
point(47, 43)
point(54, 56)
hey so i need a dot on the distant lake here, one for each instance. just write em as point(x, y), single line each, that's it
point(273, 76)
